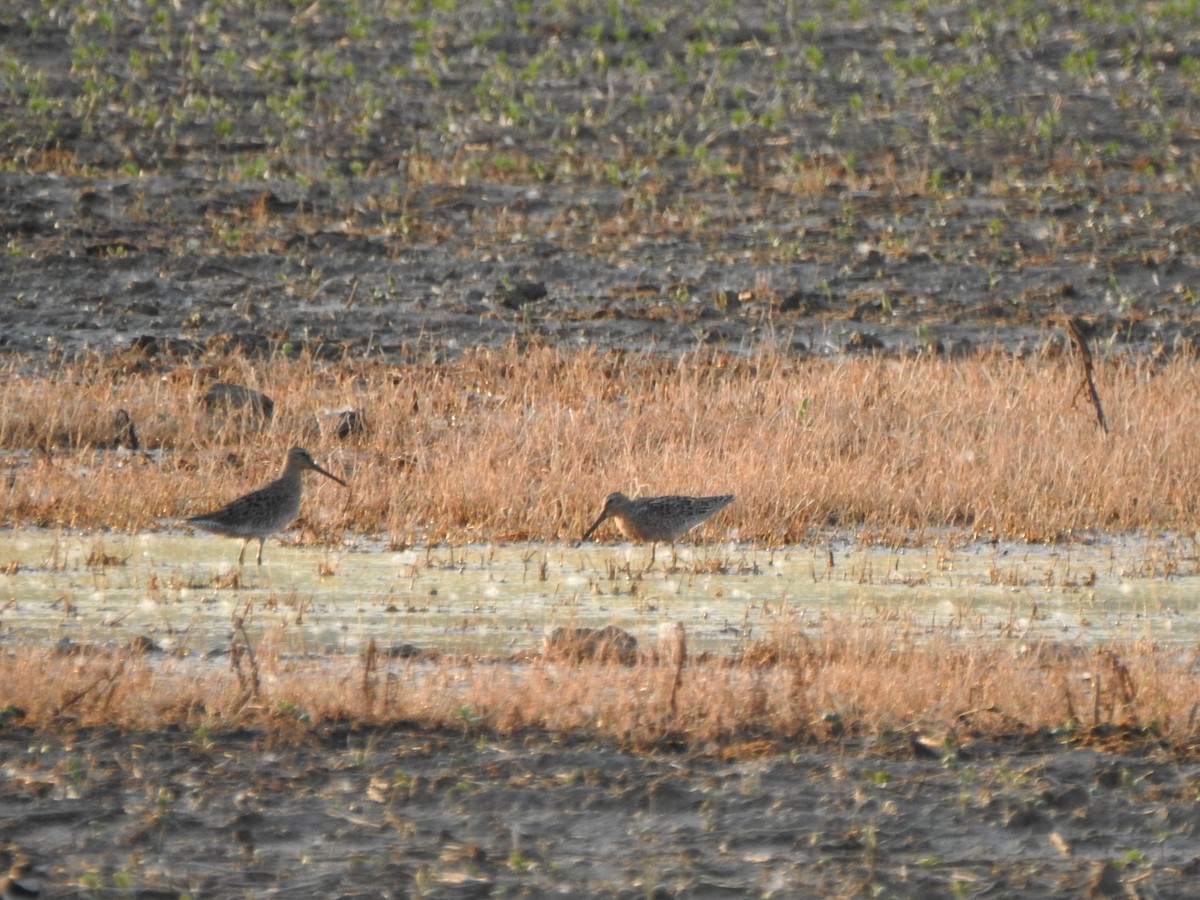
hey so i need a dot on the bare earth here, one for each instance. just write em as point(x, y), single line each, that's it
point(437, 225)
point(397, 812)
point(439, 221)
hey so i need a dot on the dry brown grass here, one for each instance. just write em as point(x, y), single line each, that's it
point(525, 444)
point(853, 677)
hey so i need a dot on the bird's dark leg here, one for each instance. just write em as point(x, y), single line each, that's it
point(650, 564)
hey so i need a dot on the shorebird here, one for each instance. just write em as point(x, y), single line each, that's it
point(266, 510)
point(657, 519)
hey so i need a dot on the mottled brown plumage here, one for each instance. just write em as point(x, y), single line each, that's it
point(655, 519)
point(266, 510)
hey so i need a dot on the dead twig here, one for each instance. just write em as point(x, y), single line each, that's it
point(103, 686)
point(370, 662)
point(678, 648)
point(239, 648)
point(1089, 382)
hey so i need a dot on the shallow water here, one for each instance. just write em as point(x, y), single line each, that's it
point(185, 591)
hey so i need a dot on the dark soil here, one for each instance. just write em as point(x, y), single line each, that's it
point(398, 813)
point(195, 175)
point(370, 181)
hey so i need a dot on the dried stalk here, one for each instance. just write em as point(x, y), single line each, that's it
point(1089, 382)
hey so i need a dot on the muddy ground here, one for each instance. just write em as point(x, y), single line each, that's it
point(364, 180)
point(243, 175)
point(399, 812)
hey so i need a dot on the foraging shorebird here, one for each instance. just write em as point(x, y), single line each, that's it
point(266, 510)
point(657, 519)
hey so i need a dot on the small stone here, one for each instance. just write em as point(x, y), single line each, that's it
point(227, 396)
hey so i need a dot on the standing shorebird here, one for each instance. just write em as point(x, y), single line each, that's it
point(266, 510)
point(657, 519)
